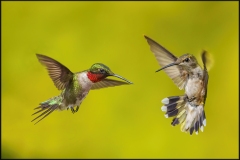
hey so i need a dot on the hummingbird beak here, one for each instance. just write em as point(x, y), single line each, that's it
point(115, 75)
point(169, 65)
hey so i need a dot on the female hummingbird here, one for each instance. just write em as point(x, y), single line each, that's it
point(187, 74)
point(74, 86)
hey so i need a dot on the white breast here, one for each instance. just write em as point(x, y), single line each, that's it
point(84, 81)
point(192, 87)
point(86, 86)
point(194, 83)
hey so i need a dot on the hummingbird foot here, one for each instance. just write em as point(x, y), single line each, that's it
point(72, 109)
point(77, 108)
point(191, 99)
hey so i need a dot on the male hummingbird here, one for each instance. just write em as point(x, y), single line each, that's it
point(74, 86)
point(187, 74)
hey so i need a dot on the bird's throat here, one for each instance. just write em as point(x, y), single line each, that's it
point(95, 77)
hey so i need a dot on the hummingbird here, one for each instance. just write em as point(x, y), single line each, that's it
point(74, 86)
point(187, 74)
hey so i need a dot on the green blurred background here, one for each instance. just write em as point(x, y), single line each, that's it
point(126, 121)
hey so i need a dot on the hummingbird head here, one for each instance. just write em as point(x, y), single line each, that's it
point(99, 71)
point(187, 61)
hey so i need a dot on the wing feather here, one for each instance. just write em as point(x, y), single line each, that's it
point(60, 75)
point(164, 57)
point(107, 83)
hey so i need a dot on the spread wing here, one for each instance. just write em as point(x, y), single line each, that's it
point(60, 75)
point(164, 57)
point(205, 74)
point(107, 83)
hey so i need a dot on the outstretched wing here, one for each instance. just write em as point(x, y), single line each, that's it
point(164, 57)
point(107, 83)
point(60, 75)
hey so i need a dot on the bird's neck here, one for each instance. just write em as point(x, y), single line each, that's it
point(196, 72)
point(95, 77)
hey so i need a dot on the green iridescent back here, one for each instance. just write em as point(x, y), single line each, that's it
point(71, 92)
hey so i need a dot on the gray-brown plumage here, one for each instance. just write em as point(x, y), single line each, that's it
point(187, 74)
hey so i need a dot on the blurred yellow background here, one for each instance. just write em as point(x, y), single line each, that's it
point(125, 121)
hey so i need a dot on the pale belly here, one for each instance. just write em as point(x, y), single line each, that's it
point(193, 87)
point(81, 97)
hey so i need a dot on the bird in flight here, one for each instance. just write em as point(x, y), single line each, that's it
point(74, 86)
point(187, 74)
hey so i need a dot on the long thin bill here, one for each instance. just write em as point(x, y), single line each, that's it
point(115, 75)
point(169, 65)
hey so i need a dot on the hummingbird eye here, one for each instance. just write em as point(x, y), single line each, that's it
point(186, 60)
point(101, 70)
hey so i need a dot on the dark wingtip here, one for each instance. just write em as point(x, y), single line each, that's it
point(39, 55)
point(147, 38)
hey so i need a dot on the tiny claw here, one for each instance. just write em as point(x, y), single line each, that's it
point(77, 108)
point(191, 99)
point(72, 109)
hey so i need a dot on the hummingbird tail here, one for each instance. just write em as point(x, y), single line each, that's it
point(48, 107)
point(190, 117)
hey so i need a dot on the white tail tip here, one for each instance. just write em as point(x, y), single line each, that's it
point(201, 128)
point(204, 122)
point(164, 108)
point(165, 101)
point(166, 115)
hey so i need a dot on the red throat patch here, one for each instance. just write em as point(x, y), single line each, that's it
point(94, 77)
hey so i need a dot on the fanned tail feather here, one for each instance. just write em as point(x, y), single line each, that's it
point(191, 118)
point(195, 119)
point(173, 105)
point(48, 107)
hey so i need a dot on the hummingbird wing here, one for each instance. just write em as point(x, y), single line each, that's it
point(107, 83)
point(205, 74)
point(164, 57)
point(60, 75)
